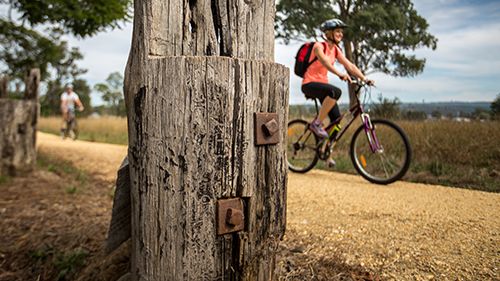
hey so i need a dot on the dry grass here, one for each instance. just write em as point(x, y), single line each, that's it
point(444, 152)
point(108, 129)
point(454, 153)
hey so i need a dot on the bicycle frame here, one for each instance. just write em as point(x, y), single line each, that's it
point(369, 158)
point(355, 111)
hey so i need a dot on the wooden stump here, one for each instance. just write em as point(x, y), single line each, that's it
point(198, 72)
point(18, 119)
point(194, 126)
point(17, 136)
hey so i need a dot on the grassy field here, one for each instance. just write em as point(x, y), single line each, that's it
point(444, 152)
point(105, 129)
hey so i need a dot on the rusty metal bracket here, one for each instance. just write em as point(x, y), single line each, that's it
point(266, 128)
point(230, 216)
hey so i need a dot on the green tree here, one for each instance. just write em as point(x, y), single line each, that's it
point(112, 93)
point(81, 18)
point(386, 108)
point(481, 114)
point(436, 114)
point(414, 115)
point(495, 107)
point(23, 48)
point(380, 37)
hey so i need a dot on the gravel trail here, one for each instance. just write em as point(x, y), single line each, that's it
point(404, 231)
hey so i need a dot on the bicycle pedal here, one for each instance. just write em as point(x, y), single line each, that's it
point(331, 163)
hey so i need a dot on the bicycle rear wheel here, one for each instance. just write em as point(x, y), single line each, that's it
point(301, 146)
point(390, 160)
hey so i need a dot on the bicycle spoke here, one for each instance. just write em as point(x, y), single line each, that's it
point(391, 159)
point(301, 145)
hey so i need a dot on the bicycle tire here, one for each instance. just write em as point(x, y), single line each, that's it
point(74, 129)
point(396, 152)
point(298, 130)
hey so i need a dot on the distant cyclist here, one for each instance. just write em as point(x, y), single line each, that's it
point(315, 83)
point(68, 101)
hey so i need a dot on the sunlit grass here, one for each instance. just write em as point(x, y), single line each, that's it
point(444, 152)
point(108, 129)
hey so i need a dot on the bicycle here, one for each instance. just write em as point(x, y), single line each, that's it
point(70, 126)
point(379, 150)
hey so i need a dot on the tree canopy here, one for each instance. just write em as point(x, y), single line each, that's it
point(112, 93)
point(495, 107)
point(23, 47)
point(380, 37)
point(30, 37)
point(81, 18)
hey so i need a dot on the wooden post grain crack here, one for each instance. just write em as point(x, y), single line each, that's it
point(197, 73)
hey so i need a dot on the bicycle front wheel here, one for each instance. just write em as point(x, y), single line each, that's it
point(74, 130)
point(301, 146)
point(381, 155)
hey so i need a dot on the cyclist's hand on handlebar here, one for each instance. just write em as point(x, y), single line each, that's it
point(346, 77)
point(81, 108)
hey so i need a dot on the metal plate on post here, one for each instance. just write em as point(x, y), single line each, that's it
point(266, 128)
point(230, 216)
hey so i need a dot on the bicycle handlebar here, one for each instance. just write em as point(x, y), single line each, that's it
point(360, 83)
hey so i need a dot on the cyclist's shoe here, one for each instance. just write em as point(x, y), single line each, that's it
point(317, 129)
point(331, 163)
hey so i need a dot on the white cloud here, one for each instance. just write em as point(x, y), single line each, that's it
point(105, 53)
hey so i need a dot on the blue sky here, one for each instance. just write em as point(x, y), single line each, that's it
point(464, 67)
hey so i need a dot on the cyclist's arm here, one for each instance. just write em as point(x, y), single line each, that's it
point(351, 68)
point(79, 103)
point(323, 59)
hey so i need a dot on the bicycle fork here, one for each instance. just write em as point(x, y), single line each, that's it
point(370, 133)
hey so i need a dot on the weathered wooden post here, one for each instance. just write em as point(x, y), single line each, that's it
point(18, 119)
point(4, 82)
point(208, 199)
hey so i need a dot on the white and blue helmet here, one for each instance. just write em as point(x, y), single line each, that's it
point(332, 24)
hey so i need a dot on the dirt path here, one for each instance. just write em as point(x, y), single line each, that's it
point(99, 159)
point(404, 231)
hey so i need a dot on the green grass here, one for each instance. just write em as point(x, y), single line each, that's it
point(4, 179)
point(66, 263)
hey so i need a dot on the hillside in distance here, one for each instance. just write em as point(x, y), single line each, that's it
point(445, 108)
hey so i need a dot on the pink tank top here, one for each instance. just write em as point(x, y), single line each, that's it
point(316, 72)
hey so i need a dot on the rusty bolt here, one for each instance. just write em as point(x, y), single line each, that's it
point(271, 127)
point(234, 217)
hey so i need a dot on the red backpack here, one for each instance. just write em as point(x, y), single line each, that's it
point(302, 58)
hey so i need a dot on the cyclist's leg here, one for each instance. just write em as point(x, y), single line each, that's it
point(334, 114)
point(328, 95)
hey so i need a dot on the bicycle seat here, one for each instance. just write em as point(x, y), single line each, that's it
point(310, 97)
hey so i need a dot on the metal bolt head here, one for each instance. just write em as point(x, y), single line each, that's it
point(234, 217)
point(271, 127)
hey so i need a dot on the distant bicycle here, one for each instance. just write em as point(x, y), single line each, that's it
point(70, 129)
point(379, 149)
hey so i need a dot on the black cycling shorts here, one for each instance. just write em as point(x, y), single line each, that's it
point(316, 90)
point(321, 91)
